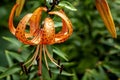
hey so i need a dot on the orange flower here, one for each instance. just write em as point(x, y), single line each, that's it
point(40, 35)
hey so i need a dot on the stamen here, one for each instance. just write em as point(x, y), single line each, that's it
point(37, 59)
point(52, 59)
point(50, 74)
point(24, 69)
point(45, 58)
point(61, 69)
point(29, 69)
point(58, 62)
point(40, 62)
point(33, 57)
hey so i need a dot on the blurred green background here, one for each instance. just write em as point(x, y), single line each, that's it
point(90, 53)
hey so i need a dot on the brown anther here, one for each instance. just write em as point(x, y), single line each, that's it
point(29, 69)
point(37, 59)
point(50, 74)
point(61, 69)
point(58, 63)
point(24, 68)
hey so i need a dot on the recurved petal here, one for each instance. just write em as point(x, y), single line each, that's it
point(104, 10)
point(21, 34)
point(67, 27)
point(11, 25)
point(63, 35)
point(35, 19)
point(64, 27)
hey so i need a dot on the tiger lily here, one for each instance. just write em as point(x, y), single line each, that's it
point(40, 35)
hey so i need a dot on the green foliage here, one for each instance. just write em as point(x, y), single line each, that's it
point(89, 54)
point(67, 5)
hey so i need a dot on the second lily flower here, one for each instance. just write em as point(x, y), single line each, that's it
point(104, 10)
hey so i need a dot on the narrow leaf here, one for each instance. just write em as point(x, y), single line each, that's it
point(10, 62)
point(67, 5)
point(60, 53)
point(15, 56)
point(2, 69)
point(12, 40)
point(113, 70)
point(10, 71)
point(8, 78)
point(63, 73)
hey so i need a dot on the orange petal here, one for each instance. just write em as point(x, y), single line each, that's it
point(103, 8)
point(11, 26)
point(19, 8)
point(20, 32)
point(63, 34)
point(48, 31)
point(64, 28)
point(66, 24)
point(35, 19)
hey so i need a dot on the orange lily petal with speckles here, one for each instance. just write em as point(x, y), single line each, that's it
point(35, 19)
point(48, 31)
point(66, 25)
point(20, 32)
point(11, 26)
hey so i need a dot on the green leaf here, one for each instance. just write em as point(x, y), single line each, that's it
point(113, 70)
point(10, 71)
point(2, 69)
point(60, 53)
point(75, 76)
point(85, 77)
point(15, 56)
point(8, 78)
point(67, 5)
point(102, 73)
point(117, 1)
point(10, 62)
point(93, 74)
point(63, 73)
point(12, 40)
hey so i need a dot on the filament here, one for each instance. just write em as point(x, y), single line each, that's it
point(33, 58)
point(40, 61)
point(45, 57)
point(52, 59)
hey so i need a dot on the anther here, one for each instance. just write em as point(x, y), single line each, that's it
point(50, 74)
point(29, 69)
point(24, 68)
point(37, 59)
point(58, 63)
point(61, 69)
